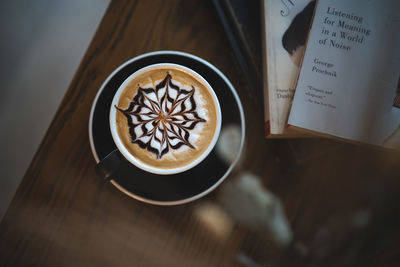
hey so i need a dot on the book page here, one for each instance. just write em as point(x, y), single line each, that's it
point(348, 80)
point(286, 26)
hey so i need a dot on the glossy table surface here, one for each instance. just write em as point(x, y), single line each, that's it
point(299, 202)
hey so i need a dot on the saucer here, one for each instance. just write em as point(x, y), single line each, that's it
point(167, 189)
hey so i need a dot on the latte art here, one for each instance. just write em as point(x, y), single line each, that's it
point(162, 118)
point(165, 118)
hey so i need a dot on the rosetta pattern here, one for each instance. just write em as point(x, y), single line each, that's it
point(161, 119)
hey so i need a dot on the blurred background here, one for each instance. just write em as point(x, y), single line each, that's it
point(42, 44)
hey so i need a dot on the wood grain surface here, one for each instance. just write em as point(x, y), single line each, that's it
point(340, 200)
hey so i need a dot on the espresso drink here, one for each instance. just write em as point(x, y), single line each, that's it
point(166, 118)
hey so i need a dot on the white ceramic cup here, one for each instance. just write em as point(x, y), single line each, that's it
point(130, 157)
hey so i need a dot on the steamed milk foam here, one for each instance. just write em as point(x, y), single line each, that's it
point(166, 118)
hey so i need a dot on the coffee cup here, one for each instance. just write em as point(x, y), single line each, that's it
point(164, 119)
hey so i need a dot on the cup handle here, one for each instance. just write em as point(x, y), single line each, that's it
point(110, 164)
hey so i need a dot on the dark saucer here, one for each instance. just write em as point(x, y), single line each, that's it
point(166, 189)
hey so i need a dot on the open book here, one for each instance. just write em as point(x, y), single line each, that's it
point(348, 82)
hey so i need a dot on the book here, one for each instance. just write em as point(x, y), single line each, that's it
point(347, 87)
point(286, 25)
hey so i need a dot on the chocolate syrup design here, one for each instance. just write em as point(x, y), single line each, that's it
point(162, 118)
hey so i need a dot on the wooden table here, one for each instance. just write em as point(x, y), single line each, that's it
point(340, 201)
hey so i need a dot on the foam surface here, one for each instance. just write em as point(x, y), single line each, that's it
point(166, 118)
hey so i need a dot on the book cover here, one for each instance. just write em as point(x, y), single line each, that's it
point(348, 81)
point(286, 25)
